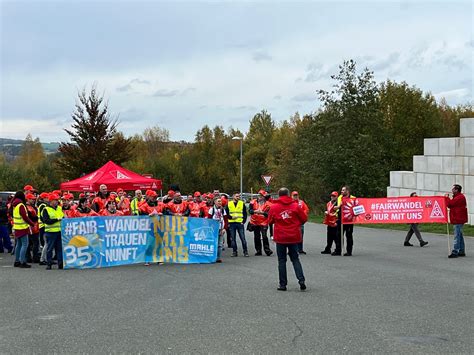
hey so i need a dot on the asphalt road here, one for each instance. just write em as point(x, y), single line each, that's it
point(385, 299)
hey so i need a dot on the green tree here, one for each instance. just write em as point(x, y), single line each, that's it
point(255, 150)
point(409, 116)
point(94, 138)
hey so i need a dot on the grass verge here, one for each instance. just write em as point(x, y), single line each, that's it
point(468, 230)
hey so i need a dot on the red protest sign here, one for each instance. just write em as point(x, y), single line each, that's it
point(426, 209)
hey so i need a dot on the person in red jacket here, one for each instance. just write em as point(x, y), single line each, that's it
point(195, 206)
point(83, 209)
point(330, 219)
point(258, 209)
point(177, 207)
point(458, 217)
point(150, 206)
point(32, 253)
point(305, 208)
point(123, 203)
point(287, 217)
point(111, 209)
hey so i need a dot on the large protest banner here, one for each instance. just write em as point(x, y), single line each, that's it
point(94, 242)
point(431, 209)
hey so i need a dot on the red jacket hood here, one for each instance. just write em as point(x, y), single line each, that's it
point(284, 200)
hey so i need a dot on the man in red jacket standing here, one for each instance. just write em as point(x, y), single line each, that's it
point(287, 218)
point(457, 216)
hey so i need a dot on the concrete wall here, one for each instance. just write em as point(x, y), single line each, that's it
point(445, 161)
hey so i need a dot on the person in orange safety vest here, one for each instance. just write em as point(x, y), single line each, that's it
point(305, 208)
point(258, 209)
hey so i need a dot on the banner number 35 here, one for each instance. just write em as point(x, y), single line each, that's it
point(73, 253)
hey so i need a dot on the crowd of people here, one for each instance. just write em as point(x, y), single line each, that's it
point(34, 219)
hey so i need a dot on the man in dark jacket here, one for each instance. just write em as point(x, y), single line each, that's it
point(287, 218)
point(457, 216)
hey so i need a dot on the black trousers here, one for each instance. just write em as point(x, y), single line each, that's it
point(331, 238)
point(347, 229)
point(259, 235)
point(32, 253)
point(229, 238)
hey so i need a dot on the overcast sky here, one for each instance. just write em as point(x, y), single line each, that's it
point(181, 65)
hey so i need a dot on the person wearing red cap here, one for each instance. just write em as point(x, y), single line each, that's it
point(151, 205)
point(330, 219)
point(21, 227)
point(32, 253)
point(68, 205)
point(347, 229)
point(304, 206)
point(51, 217)
point(195, 206)
point(258, 209)
point(287, 218)
point(208, 203)
point(28, 189)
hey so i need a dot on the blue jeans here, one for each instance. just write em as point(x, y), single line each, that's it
point(5, 241)
point(458, 239)
point(20, 249)
point(220, 243)
point(54, 242)
point(234, 228)
point(293, 253)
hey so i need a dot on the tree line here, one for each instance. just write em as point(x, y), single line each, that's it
point(361, 132)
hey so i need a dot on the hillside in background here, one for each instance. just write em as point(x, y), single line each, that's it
point(11, 148)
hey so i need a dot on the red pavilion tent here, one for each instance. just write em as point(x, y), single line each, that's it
point(114, 176)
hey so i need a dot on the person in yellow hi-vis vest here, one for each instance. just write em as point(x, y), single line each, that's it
point(237, 213)
point(135, 204)
point(21, 227)
point(51, 217)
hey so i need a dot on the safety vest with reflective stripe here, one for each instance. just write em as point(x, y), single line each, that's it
point(54, 214)
point(18, 221)
point(236, 212)
point(134, 206)
point(40, 209)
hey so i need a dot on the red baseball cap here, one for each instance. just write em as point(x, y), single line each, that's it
point(57, 192)
point(119, 190)
point(44, 195)
point(53, 196)
point(30, 197)
point(262, 192)
point(150, 193)
point(334, 193)
point(82, 194)
point(197, 194)
point(171, 193)
point(294, 193)
point(28, 188)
